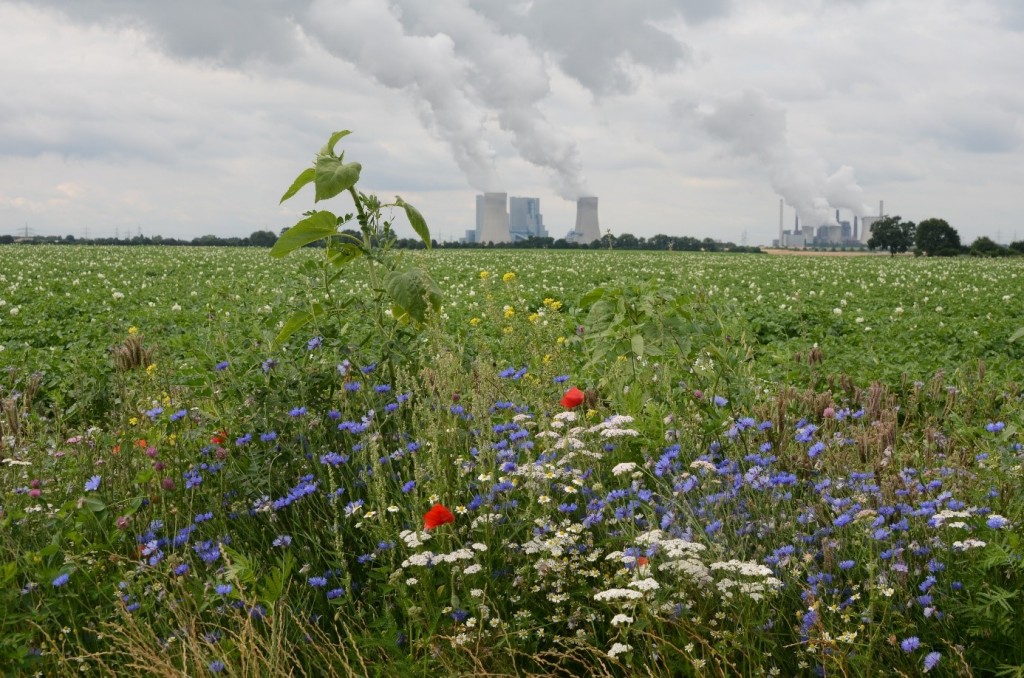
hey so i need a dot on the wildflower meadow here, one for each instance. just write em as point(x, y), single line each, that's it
point(352, 460)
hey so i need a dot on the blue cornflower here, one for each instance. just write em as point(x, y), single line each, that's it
point(268, 436)
point(268, 365)
point(93, 484)
point(203, 517)
point(369, 368)
point(180, 414)
point(283, 541)
point(910, 644)
point(335, 593)
point(297, 411)
point(995, 426)
point(154, 413)
point(216, 666)
point(61, 579)
point(408, 487)
point(720, 401)
point(352, 386)
point(224, 589)
point(221, 366)
point(317, 582)
point(931, 660)
point(995, 521)
point(507, 372)
point(847, 564)
point(561, 379)
point(815, 449)
point(314, 343)
point(181, 569)
point(382, 388)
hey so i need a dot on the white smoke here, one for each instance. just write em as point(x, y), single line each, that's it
point(755, 126)
point(464, 62)
point(508, 77)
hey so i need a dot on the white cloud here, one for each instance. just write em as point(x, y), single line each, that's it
point(684, 117)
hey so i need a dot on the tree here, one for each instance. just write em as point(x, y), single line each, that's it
point(893, 234)
point(935, 237)
point(262, 239)
point(987, 247)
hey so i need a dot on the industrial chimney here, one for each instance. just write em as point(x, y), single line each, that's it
point(587, 227)
point(493, 218)
point(782, 240)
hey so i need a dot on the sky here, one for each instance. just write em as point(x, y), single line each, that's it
point(684, 117)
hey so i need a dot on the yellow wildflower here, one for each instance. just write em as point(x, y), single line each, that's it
point(508, 277)
point(507, 329)
point(150, 370)
point(533, 317)
point(484, 275)
point(560, 341)
point(133, 330)
point(474, 321)
point(509, 311)
point(134, 421)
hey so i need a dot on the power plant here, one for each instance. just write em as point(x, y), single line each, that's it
point(587, 228)
point(500, 219)
point(838, 233)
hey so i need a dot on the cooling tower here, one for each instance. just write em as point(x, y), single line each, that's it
point(493, 218)
point(587, 227)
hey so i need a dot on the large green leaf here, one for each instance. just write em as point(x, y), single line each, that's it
point(334, 176)
point(419, 224)
point(1017, 335)
point(307, 176)
point(413, 291)
point(328, 148)
point(297, 322)
point(315, 227)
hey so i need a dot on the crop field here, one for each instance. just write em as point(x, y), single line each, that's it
point(213, 461)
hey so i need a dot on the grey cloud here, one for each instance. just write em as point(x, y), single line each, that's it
point(225, 31)
point(596, 41)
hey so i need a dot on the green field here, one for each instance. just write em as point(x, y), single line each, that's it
point(780, 465)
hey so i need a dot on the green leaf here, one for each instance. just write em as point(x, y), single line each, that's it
point(636, 342)
point(1017, 335)
point(334, 176)
point(328, 148)
point(239, 566)
point(297, 322)
point(413, 291)
point(307, 176)
point(316, 227)
point(419, 224)
point(94, 504)
point(343, 254)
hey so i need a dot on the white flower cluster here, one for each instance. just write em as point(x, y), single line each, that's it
point(968, 544)
point(618, 594)
point(612, 427)
point(414, 539)
point(624, 467)
point(941, 517)
point(429, 559)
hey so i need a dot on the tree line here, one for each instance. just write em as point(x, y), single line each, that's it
point(625, 241)
point(933, 238)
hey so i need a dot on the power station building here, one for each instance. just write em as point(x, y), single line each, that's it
point(839, 233)
point(500, 219)
point(587, 228)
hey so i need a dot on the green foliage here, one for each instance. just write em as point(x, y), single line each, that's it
point(986, 247)
point(935, 237)
point(893, 234)
point(405, 293)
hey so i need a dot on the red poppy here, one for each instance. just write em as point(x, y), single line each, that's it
point(642, 561)
point(572, 398)
point(436, 516)
point(219, 438)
